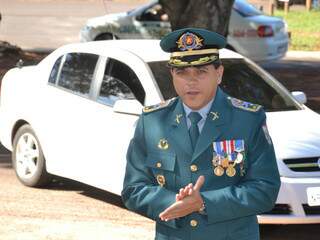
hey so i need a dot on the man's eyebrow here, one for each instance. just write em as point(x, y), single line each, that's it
point(203, 67)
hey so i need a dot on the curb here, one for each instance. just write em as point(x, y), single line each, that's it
point(311, 55)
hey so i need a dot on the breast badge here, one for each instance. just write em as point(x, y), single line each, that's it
point(163, 144)
point(227, 154)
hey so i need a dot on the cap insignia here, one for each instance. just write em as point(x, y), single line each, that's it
point(189, 41)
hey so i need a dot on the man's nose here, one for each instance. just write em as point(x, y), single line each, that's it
point(193, 77)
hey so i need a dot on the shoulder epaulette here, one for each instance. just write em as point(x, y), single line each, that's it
point(158, 106)
point(244, 105)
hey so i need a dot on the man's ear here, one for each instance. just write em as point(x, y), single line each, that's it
point(220, 70)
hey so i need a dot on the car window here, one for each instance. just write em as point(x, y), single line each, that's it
point(245, 9)
point(240, 80)
point(155, 13)
point(119, 82)
point(55, 71)
point(77, 72)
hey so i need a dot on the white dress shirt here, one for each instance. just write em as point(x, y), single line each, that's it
point(203, 112)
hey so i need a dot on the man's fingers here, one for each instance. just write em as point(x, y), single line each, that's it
point(199, 183)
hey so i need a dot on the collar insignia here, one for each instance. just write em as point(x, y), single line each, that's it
point(178, 116)
point(215, 115)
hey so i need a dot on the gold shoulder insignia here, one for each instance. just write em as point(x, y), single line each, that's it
point(244, 105)
point(158, 106)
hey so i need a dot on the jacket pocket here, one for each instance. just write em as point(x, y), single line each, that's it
point(162, 166)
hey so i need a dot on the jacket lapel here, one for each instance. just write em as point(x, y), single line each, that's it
point(178, 129)
point(218, 117)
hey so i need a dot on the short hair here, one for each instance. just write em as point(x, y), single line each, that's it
point(217, 63)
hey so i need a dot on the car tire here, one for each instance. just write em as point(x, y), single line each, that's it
point(28, 160)
point(105, 36)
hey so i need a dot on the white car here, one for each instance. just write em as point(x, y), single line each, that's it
point(252, 34)
point(74, 113)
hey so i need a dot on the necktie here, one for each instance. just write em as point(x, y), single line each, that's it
point(194, 117)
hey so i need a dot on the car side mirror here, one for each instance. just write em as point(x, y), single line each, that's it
point(299, 96)
point(131, 106)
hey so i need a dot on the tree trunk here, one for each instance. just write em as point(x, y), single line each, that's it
point(209, 14)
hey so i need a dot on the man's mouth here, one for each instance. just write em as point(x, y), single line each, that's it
point(193, 93)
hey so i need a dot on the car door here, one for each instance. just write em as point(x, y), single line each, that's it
point(111, 131)
point(69, 117)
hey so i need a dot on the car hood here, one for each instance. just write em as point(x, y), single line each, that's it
point(109, 18)
point(295, 134)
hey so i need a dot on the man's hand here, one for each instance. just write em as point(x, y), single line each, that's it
point(186, 191)
point(188, 201)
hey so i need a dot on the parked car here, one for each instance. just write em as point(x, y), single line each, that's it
point(74, 113)
point(254, 35)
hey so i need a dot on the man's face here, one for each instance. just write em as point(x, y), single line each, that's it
point(196, 85)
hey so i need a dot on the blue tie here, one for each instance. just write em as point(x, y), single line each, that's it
point(194, 117)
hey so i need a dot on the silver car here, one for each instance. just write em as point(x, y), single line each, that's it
point(251, 33)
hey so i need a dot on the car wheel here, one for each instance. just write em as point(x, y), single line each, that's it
point(105, 36)
point(28, 160)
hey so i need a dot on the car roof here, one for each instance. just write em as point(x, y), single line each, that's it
point(147, 50)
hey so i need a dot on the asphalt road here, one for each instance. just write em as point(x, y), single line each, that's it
point(48, 24)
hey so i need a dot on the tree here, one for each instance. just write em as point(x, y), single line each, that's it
point(209, 14)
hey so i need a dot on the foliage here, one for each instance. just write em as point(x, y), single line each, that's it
point(304, 27)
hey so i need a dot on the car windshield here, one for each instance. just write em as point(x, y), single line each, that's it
point(245, 9)
point(241, 80)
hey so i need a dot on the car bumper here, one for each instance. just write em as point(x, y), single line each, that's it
point(261, 49)
point(292, 203)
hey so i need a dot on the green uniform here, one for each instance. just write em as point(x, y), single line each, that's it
point(161, 160)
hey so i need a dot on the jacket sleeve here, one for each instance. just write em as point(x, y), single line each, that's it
point(140, 192)
point(257, 191)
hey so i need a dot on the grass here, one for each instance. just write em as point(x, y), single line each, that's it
point(304, 27)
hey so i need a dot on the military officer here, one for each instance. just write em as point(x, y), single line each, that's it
point(201, 165)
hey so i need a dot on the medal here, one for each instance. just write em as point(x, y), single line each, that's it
point(218, 171)
point(231, 171)
point(239, 158)
point(215, 160)
point(225, 163)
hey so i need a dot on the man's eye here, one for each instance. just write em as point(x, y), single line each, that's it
point(203, 70)
point(179, 72)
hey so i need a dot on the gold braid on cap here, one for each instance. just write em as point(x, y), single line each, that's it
point(203, 60)
point(195, 52)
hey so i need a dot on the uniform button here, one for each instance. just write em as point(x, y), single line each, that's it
point(193, 223)
point(159, 164)
point(193, 168)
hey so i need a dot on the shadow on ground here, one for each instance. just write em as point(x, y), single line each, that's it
point(290, 232)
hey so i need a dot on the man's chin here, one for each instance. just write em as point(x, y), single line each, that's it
point(193, 105)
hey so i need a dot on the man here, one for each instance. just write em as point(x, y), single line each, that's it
point(201, 165)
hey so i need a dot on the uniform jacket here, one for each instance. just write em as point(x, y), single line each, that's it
point(232, 203)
